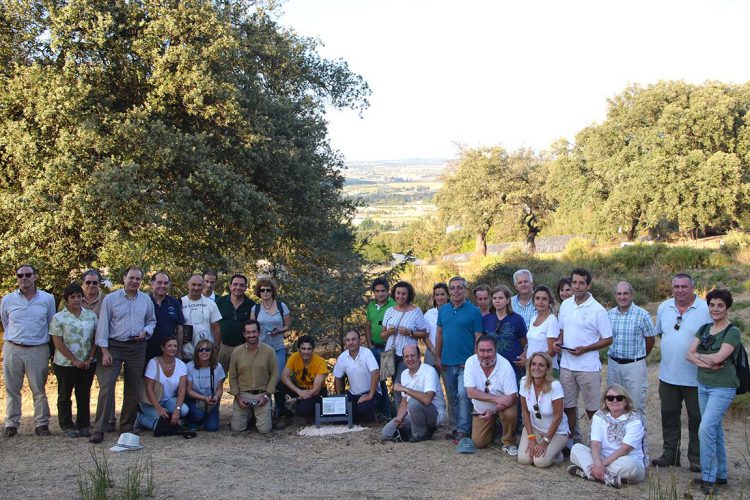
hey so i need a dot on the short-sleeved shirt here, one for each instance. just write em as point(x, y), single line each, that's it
point(431, 318)
point(426, 379)
point(502, 380)
point(270, 321)
point(412, 320)
point(544, 403)
point(168, 316)
point(358, 370)
point(201, 314)
point(233, 319)
point(459, 325)
point(727, 375)
point(633, 437)
point(170, 384)
point(507, 332)
point(77, 334)
point(582, 325)
point(674, 368)
point(629, 332)
point(200, 378)
point(537, 337)
point(304, 376)
point(527, 312)
point(27, 321)
point(375, 318)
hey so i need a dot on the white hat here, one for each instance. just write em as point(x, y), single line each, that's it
point(127, 442)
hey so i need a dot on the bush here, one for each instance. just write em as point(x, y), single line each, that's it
point(579, 249)
point(638, 257)
point(734, 242)
point(678, 259)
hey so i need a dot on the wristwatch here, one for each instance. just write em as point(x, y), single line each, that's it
point(545, 439)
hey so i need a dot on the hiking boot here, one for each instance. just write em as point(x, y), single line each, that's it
point(42, 430)
point(84, 433)
point(708, 488)
point(96, 437)
point(10, 432)
point(613, 481)
point(663, 461)
point(576, 471)
point(719, 481)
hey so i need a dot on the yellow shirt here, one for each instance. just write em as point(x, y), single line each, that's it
point(303, 376)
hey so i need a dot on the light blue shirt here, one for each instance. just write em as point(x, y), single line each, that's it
point(527, 312)
point(122, 318)
point(629, 332)
point(27, 321)
point(674, 368)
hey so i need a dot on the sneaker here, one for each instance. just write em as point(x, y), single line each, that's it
point(71, 433)
point(574, 470)
point(510, 450)
point(613, 481)
point(10, 432)
point(96, 437)
point(719, 481)
point(42, 430)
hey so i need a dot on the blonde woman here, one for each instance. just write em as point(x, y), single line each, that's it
point(205, 385)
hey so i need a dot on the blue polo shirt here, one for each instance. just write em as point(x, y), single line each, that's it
point(459, 325)
point(168, 316)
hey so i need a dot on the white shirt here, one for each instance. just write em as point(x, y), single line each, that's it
point(583, 325)
point(673, 367)
point(170, 384)
point(358, 370)
point(537, 336)
point(545, 406)
point(502, 380)
point(633, 437)
point(425, 380)
point(201, 313)
point(431, 318)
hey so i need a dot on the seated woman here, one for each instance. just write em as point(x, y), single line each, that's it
point(618, 440)
point(205, 385)
point(546, 430)
point(171, 373)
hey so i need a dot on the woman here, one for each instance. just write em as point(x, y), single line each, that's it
point(618, 443)
point(544, 328)
point(712, 351)
point(564, 290)
point(546, 430)
point(403, 324)
point(439, 299)
point(508, 328)
point(171, 373)
point(481, 295)
point(72, 331)
point(205, 385)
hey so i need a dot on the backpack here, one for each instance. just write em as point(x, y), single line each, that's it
point(742, 367)
point(256, 309)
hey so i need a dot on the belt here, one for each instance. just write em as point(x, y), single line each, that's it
point(131, 340)
point(621, 361)
point(23, 345)
point(379, 346)
point(256, 391)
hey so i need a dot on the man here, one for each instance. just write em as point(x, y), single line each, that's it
point(26, 314)
point(422, 408)
point(522, 302)
point(632, 341)
point(252, 379)
point(459, 325)
point(126, 322)
point(677, 321)
point(202, 316)
point(209, 283)
point(360, 367)
point(490, 382)
point(91, 282)
point(235, 311)
point(584, 329)
point(168, 312)
point(305, 374)
point(482, 298)
point(376, 309)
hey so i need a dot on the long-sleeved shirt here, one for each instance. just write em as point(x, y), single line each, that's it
point(27, 321)
point(253, 370)
point(122, 318)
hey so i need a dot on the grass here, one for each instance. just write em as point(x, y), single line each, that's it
point(97, 482)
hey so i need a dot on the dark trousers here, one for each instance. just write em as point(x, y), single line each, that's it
point(306, 407)
point(671, 397)
point(363, 412)
point(131, 358)
point(69, 379)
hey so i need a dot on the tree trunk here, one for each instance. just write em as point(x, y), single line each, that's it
point(532, 230)
point(481, 243)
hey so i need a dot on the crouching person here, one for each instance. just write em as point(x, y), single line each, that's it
point(252, 380)
point(422, 408)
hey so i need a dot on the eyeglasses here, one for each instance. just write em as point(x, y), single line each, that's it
point(487, 385)
point(266, 290)
point(537, 412)
point(24, 275)
point(619, 398)
point(90, 282)
point(204, 349)
point(677, 325)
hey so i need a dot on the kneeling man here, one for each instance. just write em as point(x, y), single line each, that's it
point(422, 408)
point(305, 374)
point(359, 365)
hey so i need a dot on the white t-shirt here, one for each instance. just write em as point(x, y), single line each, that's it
point(674, 368)
point(545, 406)
point(425, 380)
point(431, 318)
point(201, 313)
point(201, 378)
point(633, 437)
point(537, 336)
point(358, 371)
point(583, 324)
point(170, 384)
point(502, 380)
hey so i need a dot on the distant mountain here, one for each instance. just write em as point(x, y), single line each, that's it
point(422, 169)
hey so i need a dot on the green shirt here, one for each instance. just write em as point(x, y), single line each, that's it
point(233, 320)
point(727, 375)
point(375, 318)
point(77, 334)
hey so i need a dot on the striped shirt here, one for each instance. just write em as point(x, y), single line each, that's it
point(629, 332)
point(527, 312)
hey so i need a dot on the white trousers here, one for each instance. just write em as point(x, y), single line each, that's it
point(627, 468)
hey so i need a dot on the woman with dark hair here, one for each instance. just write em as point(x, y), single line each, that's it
point(205, 385)
point(171, 373)
point(72, 331)
point(713, 351)
point(544, 329)
point(403, 324)
point(439, 299)
point(564, 291)
point(507, 328)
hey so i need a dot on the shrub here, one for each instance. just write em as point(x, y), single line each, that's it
point(678, 259)
point(637, 257)
point(579, 249)
point(734, 242)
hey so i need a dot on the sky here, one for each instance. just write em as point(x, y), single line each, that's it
point(515, 73)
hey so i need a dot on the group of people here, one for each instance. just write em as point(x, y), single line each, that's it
point(512, 361)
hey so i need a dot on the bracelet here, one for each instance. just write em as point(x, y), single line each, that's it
point(532, 436)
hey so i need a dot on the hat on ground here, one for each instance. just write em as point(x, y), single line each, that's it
point(466, 445)
point(127, 442)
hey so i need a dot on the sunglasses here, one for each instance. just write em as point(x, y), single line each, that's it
point(619, 398)
point(24, 275)
point(537, 412)
point(706, 343)
point(266, 290)
point(677, 324)
point(91, 282)
point(487, 385)
point(204, 349)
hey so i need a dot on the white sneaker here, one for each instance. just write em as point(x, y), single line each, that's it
point(510, 450)
point(574, 470)
point(613, 481)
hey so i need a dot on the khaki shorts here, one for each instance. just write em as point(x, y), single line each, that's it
point(589, 384)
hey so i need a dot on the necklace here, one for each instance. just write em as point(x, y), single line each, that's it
point(268, 308)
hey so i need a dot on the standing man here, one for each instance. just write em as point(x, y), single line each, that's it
point(91, 282)
point(26, 314)
point(459, 325)
point(252, 380)
point(202, 316)
point(632, 341)
point(522, 302)
point(584, 329)
point(677, 321)
point(126, 322)
point(209, 283)
point(168, 312)
point(235, 311)
point(376, 309)
point(360, 367)
point(482, 298)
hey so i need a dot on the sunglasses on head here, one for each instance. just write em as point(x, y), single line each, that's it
point(266, 290)
point(677, 324)
point(24, 275)
point(204, 349)
point(619, 398)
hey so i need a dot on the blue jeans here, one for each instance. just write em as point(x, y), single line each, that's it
point(210, 419)
point(384, 403)
point(714, 403)
point(458, 401)
point(149, 417)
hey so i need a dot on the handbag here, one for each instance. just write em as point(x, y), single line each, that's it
point(388, 356)
point(158, 388)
